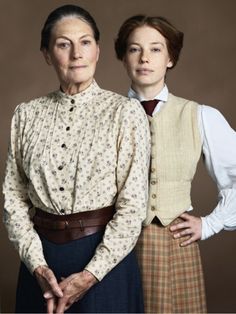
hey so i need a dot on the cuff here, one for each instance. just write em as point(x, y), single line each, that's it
point(211, 224)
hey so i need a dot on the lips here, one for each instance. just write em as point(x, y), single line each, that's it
point(77, 67)
point(144, 71)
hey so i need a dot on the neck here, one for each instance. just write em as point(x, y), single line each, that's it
point(72, 89)
point(147, 92)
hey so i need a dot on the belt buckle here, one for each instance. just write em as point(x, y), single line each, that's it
point(66, 224)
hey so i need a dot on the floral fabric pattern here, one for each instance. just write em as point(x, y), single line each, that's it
point(77, 153)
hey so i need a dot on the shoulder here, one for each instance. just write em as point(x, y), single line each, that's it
point(115, 97)
point(124, 104)
point(212, 115)
point(181, 101)
point(34, 105)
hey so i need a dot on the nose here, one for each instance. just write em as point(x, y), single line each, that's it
point(75, 52)
point(144, 57)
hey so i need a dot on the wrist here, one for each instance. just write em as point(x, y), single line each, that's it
point(89, 277)
point(40, 269)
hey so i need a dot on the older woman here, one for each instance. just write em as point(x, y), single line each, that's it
point(79, 157)
point(181, 130)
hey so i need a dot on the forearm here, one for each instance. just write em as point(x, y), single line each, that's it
point(222, 217)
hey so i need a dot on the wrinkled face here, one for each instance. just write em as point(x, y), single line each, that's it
point(147, 58)
point(73, 52)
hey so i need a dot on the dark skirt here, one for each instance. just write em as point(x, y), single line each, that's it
point(120, 291)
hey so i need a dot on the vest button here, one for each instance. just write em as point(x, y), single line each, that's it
point(154, 196)
point(153, 182)
point(153, 208)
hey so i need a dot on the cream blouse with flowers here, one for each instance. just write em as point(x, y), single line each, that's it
point(71, 154)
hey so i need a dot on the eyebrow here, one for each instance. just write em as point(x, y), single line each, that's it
point(67, 38)
point(152, 43)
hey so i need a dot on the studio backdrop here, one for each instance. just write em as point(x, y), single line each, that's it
point(205, 73)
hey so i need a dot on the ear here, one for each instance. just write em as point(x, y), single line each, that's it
point(47, 56)
point(98, 52)
point(170, 64)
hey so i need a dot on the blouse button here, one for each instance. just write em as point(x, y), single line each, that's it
point(153, 182)
point(62, 211)
point(153, 208)
point(153, 170)
point(61, 188)
point(154, 196)
point(72, 101)
point(68, 128)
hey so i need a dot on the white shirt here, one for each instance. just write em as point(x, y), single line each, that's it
point(219, 150)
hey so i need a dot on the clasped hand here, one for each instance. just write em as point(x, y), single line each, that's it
point(60, 296)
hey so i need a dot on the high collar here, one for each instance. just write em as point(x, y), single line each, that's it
point(85, 96)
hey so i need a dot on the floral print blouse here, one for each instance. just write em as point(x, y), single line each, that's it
point(78, 153)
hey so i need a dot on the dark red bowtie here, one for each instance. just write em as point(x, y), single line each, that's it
point(149, 105)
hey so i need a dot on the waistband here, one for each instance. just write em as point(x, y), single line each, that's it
point(64, 228)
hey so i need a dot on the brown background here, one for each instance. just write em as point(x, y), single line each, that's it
point(206, 73)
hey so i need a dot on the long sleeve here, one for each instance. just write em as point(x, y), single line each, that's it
point(132, 185)
point(17, 204)
point(77, 153)
point(219, 149)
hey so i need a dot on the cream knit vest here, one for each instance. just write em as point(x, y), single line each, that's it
point(176, 149)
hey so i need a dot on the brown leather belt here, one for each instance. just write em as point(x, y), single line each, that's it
point(64, 228)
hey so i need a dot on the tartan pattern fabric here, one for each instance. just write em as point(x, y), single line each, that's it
point(172, 275)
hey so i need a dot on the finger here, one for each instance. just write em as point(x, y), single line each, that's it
point(48, 294)
point(183, 233)
point(61, 307)
point(51, 279)
point(185, 216)
point(178, 226)
point(188, 241)
point(50, 305)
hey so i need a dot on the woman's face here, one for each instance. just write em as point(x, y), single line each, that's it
point(73, 52)
point(147, 59)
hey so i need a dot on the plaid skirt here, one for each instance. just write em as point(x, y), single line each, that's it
point(172, 275)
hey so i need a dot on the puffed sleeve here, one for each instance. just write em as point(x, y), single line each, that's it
point(17, 204)
point(219, 149)
point(122, 231)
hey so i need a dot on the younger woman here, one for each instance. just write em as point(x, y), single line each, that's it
point(181, 130)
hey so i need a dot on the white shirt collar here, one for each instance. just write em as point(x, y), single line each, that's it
point(162, 96)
